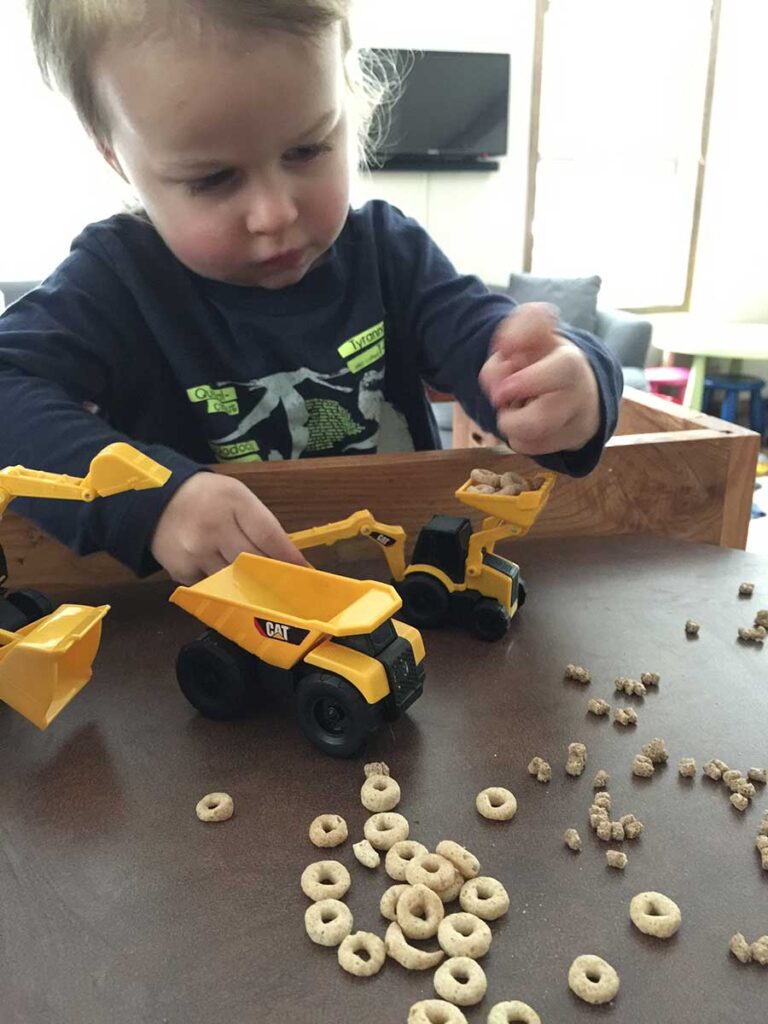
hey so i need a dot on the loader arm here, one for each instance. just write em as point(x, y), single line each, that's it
point(486, 538)
point(360, 524)
point(116, 468)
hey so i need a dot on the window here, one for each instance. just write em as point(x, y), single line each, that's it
point(624, 92)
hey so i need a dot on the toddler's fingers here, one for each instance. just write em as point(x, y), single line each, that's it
point(527, 334)
point(263, 530)
point(553, 372)
point(540, 427)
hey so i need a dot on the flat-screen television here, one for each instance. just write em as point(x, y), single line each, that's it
point(450, 109)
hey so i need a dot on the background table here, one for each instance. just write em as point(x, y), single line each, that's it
point(705, 339)
point(119, 906)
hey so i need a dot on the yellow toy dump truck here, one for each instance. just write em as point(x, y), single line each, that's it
point(454, 573)
point(45, 654)
point(351, 663)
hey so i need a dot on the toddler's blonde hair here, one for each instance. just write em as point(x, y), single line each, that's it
point(68, 35)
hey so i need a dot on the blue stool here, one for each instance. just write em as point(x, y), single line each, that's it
point(732, 386)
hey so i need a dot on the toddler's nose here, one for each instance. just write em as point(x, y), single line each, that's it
point(270, 210)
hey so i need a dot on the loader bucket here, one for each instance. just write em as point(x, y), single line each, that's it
point(520, 510)
point(45, 664)
point(120, 467)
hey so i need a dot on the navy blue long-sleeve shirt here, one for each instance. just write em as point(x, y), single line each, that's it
point(193, 371)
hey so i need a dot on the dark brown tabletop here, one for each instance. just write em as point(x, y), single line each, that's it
point(118, 905)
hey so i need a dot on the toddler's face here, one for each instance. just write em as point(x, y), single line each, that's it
point(236, 145)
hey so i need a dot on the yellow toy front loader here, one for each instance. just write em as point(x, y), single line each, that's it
point(454, 572)
point(45, 654)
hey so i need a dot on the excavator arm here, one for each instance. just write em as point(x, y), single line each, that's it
point(360, 524)
point(116, 468)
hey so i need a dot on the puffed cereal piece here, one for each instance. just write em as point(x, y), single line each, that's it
point(461, 981)
point(650, 678)
point(451, 893)
point(409, 956)
point(464, 861)
point(506, 1013)
point(534, 764)
point(752, 634)
point(593, 979)
point(743, 787)
point(389, 900)
point(577, 759)
point(692, 628)
point(485, 476)
point(325, 879)
point(362, 942)
point(721, 765)
point(757, 775)
point(385, 829)
point(761, 841)
point(328, 922)
point(602, 800)
point(366, 854)
point(616, 859)
point(496, 803)
point(431, 870)
point(761, 618)
point(544, 774)
point(687, 767)
point(633, 829)
point(617, 832)
point(419, 911)
point(513, 479)
point(739, 802)
point(597, 815)
point(215, 807)
point(601, 779)
point(656, 750)
point(435, 1011)
point(380, 793)
point(578, 673)
point(655, 914)
point(712, 771)
point(759, 950)
point(731, 776)
point(375, 768)
point(740, 948)
point(598, 706)
point(572, 839)
point(643, 766)
point(625, 716)
point(464, 935)
point(400, 855)
point(482, 489)
point(328, 830)
point(604, 831)
point(746, 589)
point(485, 897)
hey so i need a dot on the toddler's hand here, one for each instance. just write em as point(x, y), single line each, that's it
point(541, 384)
point(209, 521)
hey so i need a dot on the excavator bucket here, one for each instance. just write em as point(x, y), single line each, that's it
point(45, 664)
point(121, 467)
point(520, 510)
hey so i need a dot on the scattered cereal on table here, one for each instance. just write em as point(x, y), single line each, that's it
point(435, 1011)
point(655, 914)
point(692, 628)
point(604, 830)
point(746, 589)
point(602, 800)
point(375, 768)
point(362, 954)
point(328, 922)
point(601, 779)
point(739, 802)
point(650, 678)
point(572, 839)
point(617, 832)
point(593, 979)
point(541, 769)
point(366, 854)
point(328, 830)
point(633, 829)
point(687, 767)
point(616, 859)
point(712, 771)
point(598, 706)
point(757, 775)
point(215, 807)
point(632, 687)
point(578, 673)
point(759, 950)
point(753, 634)
point(577, 759)
point(657, 751)
point(761, 618)
point(460, 980)
point(496, 803)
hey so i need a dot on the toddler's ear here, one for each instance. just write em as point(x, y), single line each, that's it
point(111, 157)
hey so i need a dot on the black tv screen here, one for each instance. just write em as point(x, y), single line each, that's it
point(451, 106)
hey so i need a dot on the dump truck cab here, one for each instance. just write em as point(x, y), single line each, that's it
point(349, 661)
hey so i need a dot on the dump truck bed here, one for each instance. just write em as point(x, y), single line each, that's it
point(262, 604)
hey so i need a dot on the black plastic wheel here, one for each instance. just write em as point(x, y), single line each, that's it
point(522, 592)
point(217, 677)
point(334, 715)
point(490, 619)
point(425, 600)
point(31, 604)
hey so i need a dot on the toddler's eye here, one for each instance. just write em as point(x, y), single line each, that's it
point(211, 181)
point(304, 154)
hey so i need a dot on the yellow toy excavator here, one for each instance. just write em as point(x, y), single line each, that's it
point(454, 573)
point(45, 654)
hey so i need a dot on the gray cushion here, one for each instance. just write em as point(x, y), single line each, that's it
point(575, 297)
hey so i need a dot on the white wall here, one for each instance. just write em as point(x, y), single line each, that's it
point(477, 218)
